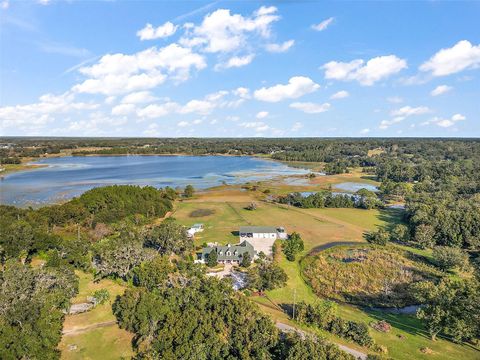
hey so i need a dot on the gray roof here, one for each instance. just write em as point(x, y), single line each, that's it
point(236, 251)
point(259, 229)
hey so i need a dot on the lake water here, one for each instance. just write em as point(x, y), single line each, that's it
point(354, 187)
point(66, 177)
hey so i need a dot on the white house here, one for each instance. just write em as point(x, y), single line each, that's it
point(194, 229)
point(262, 237)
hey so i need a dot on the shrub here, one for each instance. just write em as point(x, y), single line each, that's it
point(380, 237)
point(101, 296)
point(447, 258)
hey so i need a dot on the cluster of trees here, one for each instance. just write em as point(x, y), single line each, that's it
point(110, 204)
point(176, 312)
point(444, 219)
point(265, 276)
point(292, 246)
point(119, 255)
point(362, 199)
point(32, 305)
point(10, 160)
point(24, 232)
point(450, 307)
point(323, 315)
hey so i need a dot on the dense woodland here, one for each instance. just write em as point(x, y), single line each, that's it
point(110, 232)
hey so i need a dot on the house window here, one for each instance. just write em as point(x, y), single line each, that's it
point(228, 253)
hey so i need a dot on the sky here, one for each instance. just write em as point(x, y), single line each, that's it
point(240, 69)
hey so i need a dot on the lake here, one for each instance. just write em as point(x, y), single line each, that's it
point(65, 177)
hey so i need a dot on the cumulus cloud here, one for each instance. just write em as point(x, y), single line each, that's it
point(364, 131)
point(138, 97)
point(340, 95)
point(157, 110)
point(222, 31)
point(385, 124)
point(440, 89)
point(151, 33)
point(366, 73)
point(236, 61)
point(323, 25)
point(462, 56)
point(258, 126)
point(32, 117)
point(262, 114)
point(280, 48)
point(123, 109)
point(297, 86)
point(409, 111)
point(445, 123)
point(310, 108)
point(398, 115)
point(119, 73)
point(242, 92)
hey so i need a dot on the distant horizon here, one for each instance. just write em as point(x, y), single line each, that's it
point(228, 69)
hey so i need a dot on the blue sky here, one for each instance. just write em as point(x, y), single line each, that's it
point(232, 69)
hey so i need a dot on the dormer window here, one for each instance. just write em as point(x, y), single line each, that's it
point(228, 253)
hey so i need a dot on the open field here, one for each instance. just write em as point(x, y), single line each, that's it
point(95, 334)
point(318, 227)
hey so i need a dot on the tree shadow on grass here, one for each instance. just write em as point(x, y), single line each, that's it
point(391, 217)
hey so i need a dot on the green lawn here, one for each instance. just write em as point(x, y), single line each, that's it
point(109, 342)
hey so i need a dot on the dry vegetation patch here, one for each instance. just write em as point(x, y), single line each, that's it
point(366, 275)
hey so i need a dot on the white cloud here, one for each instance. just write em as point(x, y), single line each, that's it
point(152, 130)
point(297, 126)
point(157, 110)
point(280, 48)
point(5, 4)
point(262, 114)
point(242, 92)
point(123, 109)
point(119, 73)
point(236, 61)
point(151, 33)
point(340, 95)
point(395, 99)
point(44, 2)
point(445, 123)
point(409, 111)
point(139, 97)
point(398, 115)
point(368, 73)
point(222, 31)
point(258, 126)
point(462, 56)
point(197, 106)
point(323, 25)
point(440, 89)
point(310, 108)
point(32, 117)
point(385, 124)
point(183, 124)
point(364, 131)
point(297, 86)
